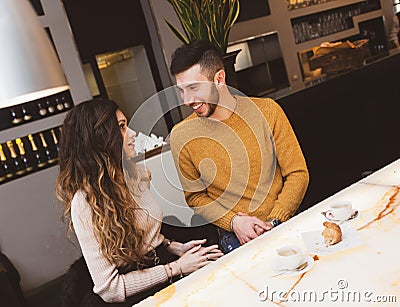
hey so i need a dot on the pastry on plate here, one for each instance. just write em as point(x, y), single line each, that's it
point(332, 233)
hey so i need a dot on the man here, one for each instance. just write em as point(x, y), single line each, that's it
point(238, 159)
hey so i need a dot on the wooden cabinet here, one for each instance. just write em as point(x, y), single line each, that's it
point(299, 28)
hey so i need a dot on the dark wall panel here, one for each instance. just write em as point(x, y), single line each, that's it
point(101, 26)
point(250, 9)
point(347, 125)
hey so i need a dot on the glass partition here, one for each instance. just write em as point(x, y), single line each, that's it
point(259, 67)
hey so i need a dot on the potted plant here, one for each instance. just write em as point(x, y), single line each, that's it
point(205, 19)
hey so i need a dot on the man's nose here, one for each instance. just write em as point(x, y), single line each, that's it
point(187, 99)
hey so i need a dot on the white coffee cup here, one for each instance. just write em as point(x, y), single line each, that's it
point(289, 257)
point(340, 211)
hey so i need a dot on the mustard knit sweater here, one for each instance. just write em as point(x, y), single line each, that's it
point(251, 162)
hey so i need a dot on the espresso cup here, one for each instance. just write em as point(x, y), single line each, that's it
point(340, 211)
point(289, 257)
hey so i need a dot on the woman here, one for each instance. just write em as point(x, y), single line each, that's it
point(117, 221)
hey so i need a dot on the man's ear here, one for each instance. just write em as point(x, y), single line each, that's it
point(219, 77)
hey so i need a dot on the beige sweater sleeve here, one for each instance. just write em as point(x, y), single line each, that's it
point(108, 283)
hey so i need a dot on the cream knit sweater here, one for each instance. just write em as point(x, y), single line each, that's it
point(108, 283)
point(228, 166)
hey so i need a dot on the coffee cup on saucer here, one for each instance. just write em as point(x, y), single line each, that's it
point(288, 257)
point(340, 211)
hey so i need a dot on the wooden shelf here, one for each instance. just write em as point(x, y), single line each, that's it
point(342, 34)
point(281, 20)
point(318, 8)
point(367, 16)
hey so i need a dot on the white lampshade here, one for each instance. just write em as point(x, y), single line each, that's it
point(30, 68)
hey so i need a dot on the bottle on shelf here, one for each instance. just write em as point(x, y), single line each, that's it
point(15, 117)
point(59, 105)
point(55, 146)
point(2, 173)
point(50, 106)
point(25, 114)
point(6, 171)
point(39, 157)
point(16, 159)
point(59, 132)
point(51, 158)
point(42, 109)
point(26, 161)
point(66, 102)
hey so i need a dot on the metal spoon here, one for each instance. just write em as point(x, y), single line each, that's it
point(299, 268)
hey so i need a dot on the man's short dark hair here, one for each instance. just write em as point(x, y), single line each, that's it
point(199, 52)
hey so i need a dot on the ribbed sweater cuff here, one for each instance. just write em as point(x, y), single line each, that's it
point(225, 221)
point(280, 214)
point(154, 276)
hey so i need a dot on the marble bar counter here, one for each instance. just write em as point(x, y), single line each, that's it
point(362, 269)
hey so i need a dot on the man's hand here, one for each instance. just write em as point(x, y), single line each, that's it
point(248, 227)
point(260, 230)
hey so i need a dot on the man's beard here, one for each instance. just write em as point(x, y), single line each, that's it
point(212, 100)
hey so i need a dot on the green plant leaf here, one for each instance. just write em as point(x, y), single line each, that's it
point(177, 33)
point(205, 19)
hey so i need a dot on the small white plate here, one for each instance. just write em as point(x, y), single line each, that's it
point(315, 241)
point(310, 263)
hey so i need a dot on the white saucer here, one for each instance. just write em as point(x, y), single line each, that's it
point(354, 215)
point(315, 241)
point(310, 263)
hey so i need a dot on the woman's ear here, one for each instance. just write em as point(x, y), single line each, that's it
point(219, 77)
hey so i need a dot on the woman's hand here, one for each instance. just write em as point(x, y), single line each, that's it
point(178, 248)
point(195, 258)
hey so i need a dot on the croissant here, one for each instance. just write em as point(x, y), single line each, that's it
point(332, 233)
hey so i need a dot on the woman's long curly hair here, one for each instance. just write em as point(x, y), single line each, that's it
point(91, 161)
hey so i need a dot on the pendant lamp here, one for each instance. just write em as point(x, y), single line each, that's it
point(30, 68)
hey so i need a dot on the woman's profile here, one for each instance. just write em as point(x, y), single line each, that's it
point(116, 219)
